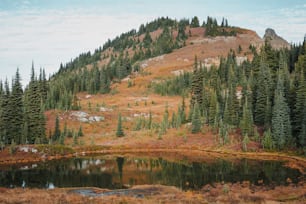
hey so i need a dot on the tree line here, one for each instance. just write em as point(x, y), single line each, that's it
point(22, 119)
point(265, 99)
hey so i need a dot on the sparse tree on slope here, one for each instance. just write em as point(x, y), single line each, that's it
point(119, 132)
point(195, 22)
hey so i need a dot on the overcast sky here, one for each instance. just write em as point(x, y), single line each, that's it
point(49, 32)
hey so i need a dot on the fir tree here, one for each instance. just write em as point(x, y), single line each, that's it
point(149, 124)
point(196, 119)
point(147, 40)
point(223, 133)
point(165, 121)
point(195, 22)
point(246, 122)
point(299, 107)
point(213, 107)
point(6, 114)
point(196, 86)
point(281, 124)
point(231, 109)
point(57, 131)
point(302, 133)
point(263, 93)
point(183, 111)
point(119, 132)
point(16, 106)
point(34, 111)
point(267, 141)
point(1, 121)
point(80, 132)
point(173, 120)
point(179, 118)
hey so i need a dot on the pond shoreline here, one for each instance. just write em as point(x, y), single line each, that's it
point(221, 191)
point(25, 158)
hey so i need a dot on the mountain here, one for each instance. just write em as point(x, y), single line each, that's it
point(276, 41)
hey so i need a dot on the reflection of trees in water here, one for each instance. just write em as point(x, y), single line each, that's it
point(120, 162)
point(80, 172)
point(195, 175)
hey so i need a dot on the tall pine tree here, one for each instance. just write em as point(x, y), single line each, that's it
point(34, 114)
point(16, 103)
point(281, 124)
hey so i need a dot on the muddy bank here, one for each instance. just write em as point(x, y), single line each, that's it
point(217, 193)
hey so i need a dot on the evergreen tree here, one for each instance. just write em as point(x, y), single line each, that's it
point(43, 86)
point(183, 111)
point(267, 141)
point(302, 133)
point(299, 108)
point(245, 142)
point(57, 132)
point(165, 121)
point(16, 106)
point(181, 35)
point(281, 124)
point(166, 117)
point(195, 22)
point(246, 122)
point(34, 114)
point(178, 122)
point(119, 132)
point(80, 132)
point(263, 94)
point(105, 82)
point(213, 107)
point(149, 125)
point(3, 110)
point(147, 40)
point(231, 109)
point(196, 119)
point(173, 120)
point(25, 133)
point(196, 86)
point(6, 114)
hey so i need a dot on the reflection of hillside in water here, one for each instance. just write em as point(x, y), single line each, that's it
point(118, 172)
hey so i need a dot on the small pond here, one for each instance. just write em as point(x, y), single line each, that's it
point(114, 172)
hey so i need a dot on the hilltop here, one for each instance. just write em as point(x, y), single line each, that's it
point(132, 96)
point(276, 41)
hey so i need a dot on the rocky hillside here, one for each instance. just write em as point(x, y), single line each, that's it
point(276, 41)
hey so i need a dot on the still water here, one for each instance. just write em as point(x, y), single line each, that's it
point(121, 172)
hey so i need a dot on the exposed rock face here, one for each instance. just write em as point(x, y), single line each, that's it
point(276, 41)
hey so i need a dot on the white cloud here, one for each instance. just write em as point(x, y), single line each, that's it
point(290, 23)
point(50, 37)
point(55, 36)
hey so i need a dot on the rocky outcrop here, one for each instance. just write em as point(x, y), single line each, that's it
point(276, 41)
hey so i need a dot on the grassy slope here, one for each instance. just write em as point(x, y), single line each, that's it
point(138, 98)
